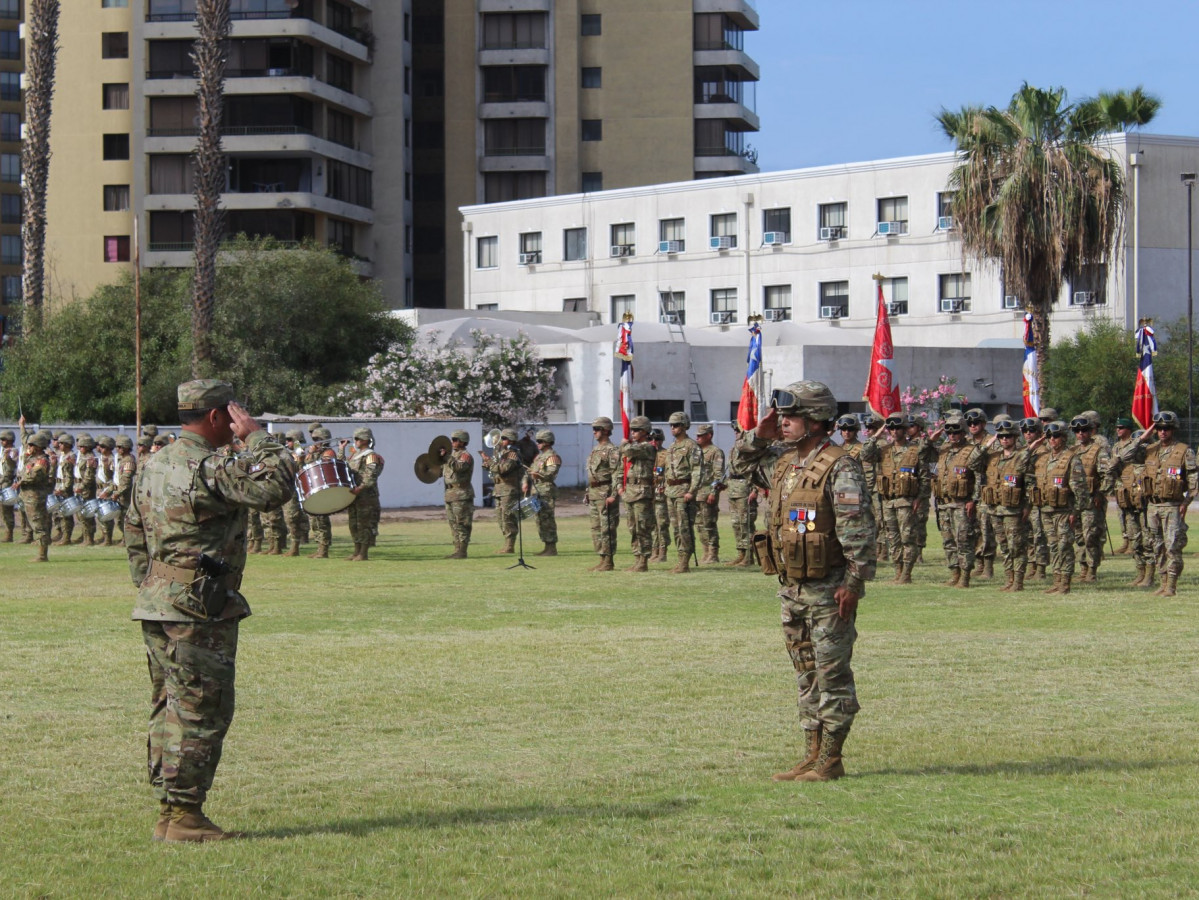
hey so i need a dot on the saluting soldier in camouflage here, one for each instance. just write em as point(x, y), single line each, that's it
point(905, 483)
point(821, 546)
point(1124, 481)
point(322, 526)
point(708, 500)
point(36, 481)
point(958, 486)
point(639, 490)
point(918, 435)
point(186, 545)
point(541, 481)
point(741, 488)
point(604, 470)
point(1095, 457)
point(1033, 429)
point(1063, 496)
point(506, 469)
point(661, 508)
point(457, 471)
point(1170, 483)
point(1009, 473)
point(684, 475)
point(872, 423)
point(367, 466)
point(9, 458)
point(984, 528)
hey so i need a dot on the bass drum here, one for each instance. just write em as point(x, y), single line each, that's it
point(70, 505)
point(9, 495)
point(324, 487)
point(89, 508)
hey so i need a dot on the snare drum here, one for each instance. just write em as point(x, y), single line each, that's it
point(324, 487)
point(529, 507)
point(52, 502)
point(8, 496)
point(88, 510)
point(70, 505)
point(108, 511)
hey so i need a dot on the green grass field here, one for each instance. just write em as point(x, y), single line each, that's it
point(413, 726)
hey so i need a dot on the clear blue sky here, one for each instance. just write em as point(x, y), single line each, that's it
point(854, 80)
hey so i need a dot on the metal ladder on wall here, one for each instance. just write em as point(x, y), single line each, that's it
point(695, 397)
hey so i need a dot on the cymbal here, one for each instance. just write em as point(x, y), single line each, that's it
point(427, 468)
point(439, 443)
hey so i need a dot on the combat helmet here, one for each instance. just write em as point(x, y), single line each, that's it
point(679, 418)
point(809, 399)
point(848, 423)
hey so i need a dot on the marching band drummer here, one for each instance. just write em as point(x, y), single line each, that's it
point(458, 470)
point(367, 466)
point(293, 512)
point(322, 526)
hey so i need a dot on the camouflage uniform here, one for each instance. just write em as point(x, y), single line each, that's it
point(9, 457)
point(743, 508)
point(928, 454)
point(36, 481)
point(604, 469)
point(1096, 460)
point(540, 480)
point(707, 502)
point(1124, 481)
point(64, 486)
point(958, 486)
point(1062, 494)
point(86, 475)
point(293, 512)
point(684, 474)
point(126, 472)
point(189, 501)
point(367, 466)
point(1006, 492)
point(903, 482)
point(505, 468)
point(822, 537)
point(661, 507)
point(639, 490)
point(322, 526)
point(457, 470)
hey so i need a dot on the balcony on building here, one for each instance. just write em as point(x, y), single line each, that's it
point(513, 145)
point(721, 149)
point(721, 94)
point(514, 37)
point(514, 92)
point(741, 13)
point(720, 42)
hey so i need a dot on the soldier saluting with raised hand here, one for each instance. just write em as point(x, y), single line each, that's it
point(185, 536)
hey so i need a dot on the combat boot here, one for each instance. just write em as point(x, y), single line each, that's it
point(954, 578)
point(905, 575)
point(164, 819)
point(748, 561)
point(1057, 584)
point(1150, 576)
point(189, 825)
point(1171, 585)
point(356, 555)
point(978, 566)
point(898, 573)
point(274, 549)
point(605, 565)
point(1123, 548)
point(1065, 587)
point(253, 546)
point(920, 556)
point(736, 561)
point(1086, 573)
point(988, 568)
point(322, 552)
point(89, 539)
point(963, 582)
point(43, 550)
point(27, 538)
point(509, 546)
point(460, 552)
point(1161, 590)
point(551, 549)
point(828, 766)
point(1007, 585)
point(1140, 579)
point(1018, 585)
point(7, 536)
point(805, 764)
point(366, 553)
point(457, 550)
point(294, 547)
point(713, 556)
point(884, 555)
point(639, 566)
point(684, 564)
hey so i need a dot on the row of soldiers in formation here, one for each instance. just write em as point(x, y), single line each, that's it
point(63, 465)
point(1027, 494)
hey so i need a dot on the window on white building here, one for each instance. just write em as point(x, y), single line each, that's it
point(831, 221)
point(776, 222)
point(621, 304)
point(893, 215)
point(574, 244)
point(834, 299)
point(488, 252)
point(944, 211)
point(895, 293)
point(624, 239)
point(954, 292)
point(673, 233)
point(723, 231)
point(574, 304)
point(1089, 287)
point(723, 306)
point(530, 247)
point(673, 307)
point(776, 301)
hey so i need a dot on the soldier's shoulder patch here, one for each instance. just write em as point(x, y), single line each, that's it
point(465, 457)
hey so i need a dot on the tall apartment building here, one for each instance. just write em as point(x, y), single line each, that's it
point(11, 109)
point(367, 124)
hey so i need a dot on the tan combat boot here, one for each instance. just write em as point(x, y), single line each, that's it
point(737, 560)
point(1171, 585)
point(293, 548)
point(1150, 576)
point(954, 578)
point(43, 550)
point(714, 556)
point(509, 546)
point(366, 553)
point(255, 546)
point(189, 825)
point(1161, 589)
point(988, 568)
point(905, 575)
point(963, 582)
point(1057, 584)
point(979, 562)
point(1039, 573)
point(1085, 574)
point(898, 573)
point(828, 766)
point(1018, 585)
point(164, 819)
point(322, 552)
point(1140, 579)
point(276, 547)
point(356, 555)
point(684, 564)
point(1009, 583)
point(1123, 547)
point(605, 565)
point(639, 566)
point(1065, 586)
point(805, 764)
point(459, 551)
point(27, 538)
point(7, 539)
point(551, 549)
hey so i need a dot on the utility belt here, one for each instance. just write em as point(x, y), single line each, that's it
point(645, 481)
point(736, 478)
point(207, 586)
point(675, 482)
point(599, 482)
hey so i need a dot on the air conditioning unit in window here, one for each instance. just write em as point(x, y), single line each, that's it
point(831, 312)
point(774, 238)
point(775, 315)
point(832, 233)
point(1085, 298)
point(669, 318)
point(670, 246)
point(952, 304)
point(897, 307)
point(890, 228)
point(944, 223)
point(720, 318)
point(722, 242)
point(1011, 301)
point(621, 250)
point(529, 259)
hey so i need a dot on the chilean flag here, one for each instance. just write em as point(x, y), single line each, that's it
point(624, 352)
point(1144, 394)
point(1032, 387)
point(747, 409)
point(882, 393)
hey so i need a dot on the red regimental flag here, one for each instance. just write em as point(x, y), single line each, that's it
point(882, 393)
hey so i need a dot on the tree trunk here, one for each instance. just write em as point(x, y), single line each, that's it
point(41, 52)
point(209, 54)
point(1040, 340)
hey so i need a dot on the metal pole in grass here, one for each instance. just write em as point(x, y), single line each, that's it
point(1188, 178)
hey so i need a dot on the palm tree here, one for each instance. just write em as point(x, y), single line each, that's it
point(209, 54)
point(41, 54)
point(1036, 191)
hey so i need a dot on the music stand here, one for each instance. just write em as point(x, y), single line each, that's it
point(520, 539)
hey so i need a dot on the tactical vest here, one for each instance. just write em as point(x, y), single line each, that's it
point(1089, 457)
point(802, 519)
point(1129, 492)
point(1053, 479)
point(1005, 483)
point(955, 480)
point(1166, 475)
point(899, 479)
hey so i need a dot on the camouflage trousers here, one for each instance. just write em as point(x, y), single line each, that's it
point(547, 523)
point(883, 550)
point(1092, 533)
point(820, 644)
point(1132, 527)
point(956, 536)
point(1038, 545)
point(682, 522)
point(743, 512)
point(273, 528)
point(708, 524)
point(460, 514)
point(506, 511)
point(27, 521)
point(293, 517)
point(1011, 533)
point(86, 525)
point(922, 524)
point(322, 530)
point(8, 517)
point(33, 505)
point(901, 532)
point(254, 526)
point(605, 520)
point(641, 526)
point(1168, 531)
point(1060, 535)
point(191, 704)
point(984, 531)
point(661, 522)
point(364, 518)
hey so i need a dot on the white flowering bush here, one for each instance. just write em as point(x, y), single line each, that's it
point(499, 380)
